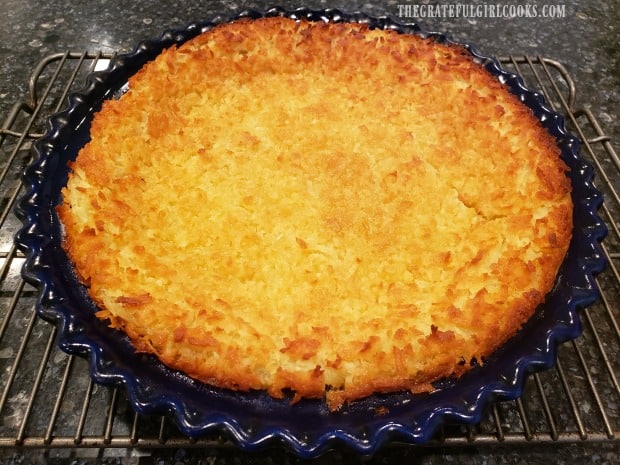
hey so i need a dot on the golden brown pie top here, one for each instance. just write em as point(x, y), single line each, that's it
point(317, 207)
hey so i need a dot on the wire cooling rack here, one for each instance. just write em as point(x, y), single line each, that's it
point(47, 400)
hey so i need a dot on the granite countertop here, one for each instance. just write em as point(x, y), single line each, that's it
point(584, 37)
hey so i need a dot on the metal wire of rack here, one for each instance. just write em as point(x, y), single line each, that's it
point(48, 401)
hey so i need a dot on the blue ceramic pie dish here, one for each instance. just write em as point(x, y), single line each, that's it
point(253, 420)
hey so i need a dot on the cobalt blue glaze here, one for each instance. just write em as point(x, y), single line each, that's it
point(253, 420)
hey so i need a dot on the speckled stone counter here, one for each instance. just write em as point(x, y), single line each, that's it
point(583, 36)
